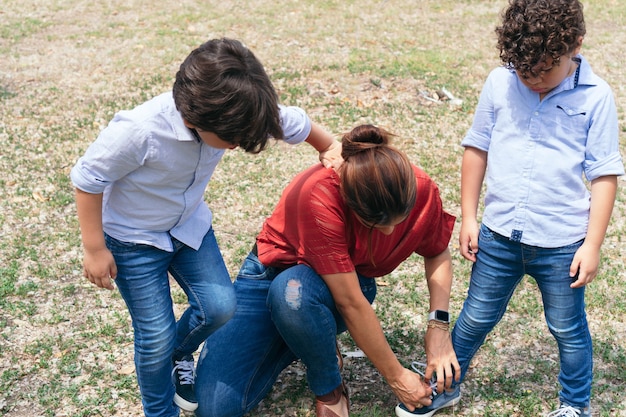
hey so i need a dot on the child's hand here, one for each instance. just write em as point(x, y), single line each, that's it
point(468, 239)
point(331, 156)
point(584, 267)
point(99, 268)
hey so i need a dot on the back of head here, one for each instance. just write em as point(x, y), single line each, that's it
point(221, 87)
point(534, 30)
point(377, 181)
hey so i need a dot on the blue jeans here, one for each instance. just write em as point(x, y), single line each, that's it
point(142, 279)
point(500, 266)
point(282, 315)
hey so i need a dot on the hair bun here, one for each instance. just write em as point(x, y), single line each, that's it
point(363, 138)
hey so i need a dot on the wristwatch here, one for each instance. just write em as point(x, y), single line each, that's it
point(439, 315)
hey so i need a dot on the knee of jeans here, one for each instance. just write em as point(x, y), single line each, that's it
point(216, 399)
point(220, 311)
point(474, 325)
point(569, 330)
point(293, 294)
point(157, 346)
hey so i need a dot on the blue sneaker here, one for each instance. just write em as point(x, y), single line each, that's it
point(443, 400)
point(440, 400)
point(568, 411)
point(183, 375)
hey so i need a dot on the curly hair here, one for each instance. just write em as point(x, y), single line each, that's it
point(221, 87)
point(534, 30)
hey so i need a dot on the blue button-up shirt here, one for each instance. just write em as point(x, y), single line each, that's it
point(538, 152)
point(153, 173)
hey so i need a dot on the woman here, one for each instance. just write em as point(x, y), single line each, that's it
point(310, 276)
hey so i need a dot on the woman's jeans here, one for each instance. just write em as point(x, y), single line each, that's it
point(500, 265)
point(142, 279)
point(282, 315)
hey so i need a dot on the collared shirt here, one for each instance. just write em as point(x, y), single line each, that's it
point(153, 172)
point(538, 152)
point(312, 225)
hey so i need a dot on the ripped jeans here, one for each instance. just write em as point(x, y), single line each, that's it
point(282, 315)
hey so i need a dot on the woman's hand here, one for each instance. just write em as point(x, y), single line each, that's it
point(411, 389)
point(440, 358)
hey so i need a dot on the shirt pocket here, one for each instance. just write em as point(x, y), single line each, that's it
point(571, 122)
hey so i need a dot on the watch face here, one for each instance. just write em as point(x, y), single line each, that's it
point(442, 316)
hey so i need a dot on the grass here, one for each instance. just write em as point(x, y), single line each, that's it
point(66, 347)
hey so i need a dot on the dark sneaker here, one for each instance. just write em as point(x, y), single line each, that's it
point(183, 375)
point(440, 400)
point(568, 411)
point(443, 400)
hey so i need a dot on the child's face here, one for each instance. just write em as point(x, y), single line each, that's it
point(213, 140)
point(210, 138)
point(548, 75)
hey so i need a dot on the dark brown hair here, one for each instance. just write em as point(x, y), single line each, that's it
point(534, 30)
point(221, 87)
point(377, 181)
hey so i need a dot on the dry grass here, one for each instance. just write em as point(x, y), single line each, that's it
point(67, 66)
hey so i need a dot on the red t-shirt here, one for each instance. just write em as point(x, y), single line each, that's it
point(312, 225)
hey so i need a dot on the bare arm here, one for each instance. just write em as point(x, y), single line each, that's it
point(587, 257)
point(98, 264)
point(366, 331)
point(326, 145)
point(472, 175)
point(439, 351)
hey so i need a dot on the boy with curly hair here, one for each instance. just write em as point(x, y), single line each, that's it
point(544, 120)
point(140, 202)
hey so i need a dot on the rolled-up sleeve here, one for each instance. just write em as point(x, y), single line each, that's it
point(295, 123)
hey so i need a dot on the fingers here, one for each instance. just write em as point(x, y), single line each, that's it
point(104, 281)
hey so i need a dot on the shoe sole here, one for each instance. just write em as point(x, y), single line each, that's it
point(400, 412)
point(183, 404)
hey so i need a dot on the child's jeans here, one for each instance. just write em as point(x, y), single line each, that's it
point(142, 279)
point(282, 315)
point(500, 265)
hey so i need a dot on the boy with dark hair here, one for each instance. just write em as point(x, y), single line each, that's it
point(139, 195)
point(543, 121)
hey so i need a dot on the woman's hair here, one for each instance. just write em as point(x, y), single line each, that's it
point(377, 181)
point(534, 30)
point(222, 88)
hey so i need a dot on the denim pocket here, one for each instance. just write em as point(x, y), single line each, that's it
point(252, 268)
point(485, 234)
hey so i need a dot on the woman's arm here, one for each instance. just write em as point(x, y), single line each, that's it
point(368, 334)
point(440, 355)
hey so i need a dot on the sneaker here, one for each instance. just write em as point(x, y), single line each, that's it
point(184, 375)
point(568, 411)
point(439, 400)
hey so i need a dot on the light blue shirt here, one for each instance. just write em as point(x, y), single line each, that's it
point(153, 173)
point(538, 151)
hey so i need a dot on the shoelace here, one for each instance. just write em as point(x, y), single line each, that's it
point(565, 411)
point(185, 372)
point(417, 367)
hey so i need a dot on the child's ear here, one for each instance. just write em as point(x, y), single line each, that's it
point(189, 125)
point(579, 45)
